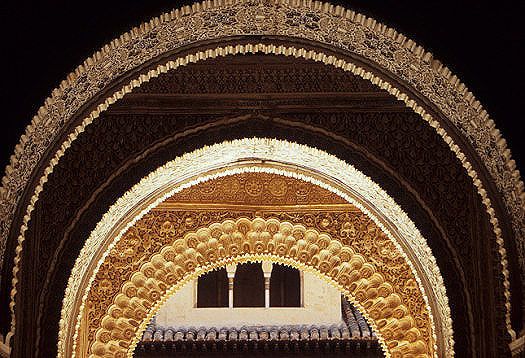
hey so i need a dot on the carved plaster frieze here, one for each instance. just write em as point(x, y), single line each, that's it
point(261, 189)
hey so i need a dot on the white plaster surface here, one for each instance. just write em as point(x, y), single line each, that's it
point(321, 306)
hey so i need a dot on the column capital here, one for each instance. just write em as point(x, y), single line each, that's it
point(267, 267)
point(230, 270)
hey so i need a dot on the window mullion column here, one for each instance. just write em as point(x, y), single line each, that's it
point(267, 270)
point(230, 270)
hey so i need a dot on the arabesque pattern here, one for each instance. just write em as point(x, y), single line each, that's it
point(309, 20)
point(402, 331)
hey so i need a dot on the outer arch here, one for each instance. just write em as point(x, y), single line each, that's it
point(498, 163)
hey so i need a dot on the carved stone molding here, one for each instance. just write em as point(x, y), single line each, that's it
point(396, 310)
point(356, 189)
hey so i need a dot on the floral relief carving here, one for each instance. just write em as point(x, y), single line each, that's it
point(256, 189)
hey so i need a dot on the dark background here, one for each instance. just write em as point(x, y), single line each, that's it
point(481, 42)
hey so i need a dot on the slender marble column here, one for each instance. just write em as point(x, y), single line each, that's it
point(267, 270)
point(230, 271)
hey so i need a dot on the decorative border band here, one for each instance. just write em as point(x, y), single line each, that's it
point(315, 21)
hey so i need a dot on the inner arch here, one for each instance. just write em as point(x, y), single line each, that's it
point(324, 314)
point(271, 156)
point(243, 240)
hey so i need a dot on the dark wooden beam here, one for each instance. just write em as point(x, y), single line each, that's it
point(156, 103)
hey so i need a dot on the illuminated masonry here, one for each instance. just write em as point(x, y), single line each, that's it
point(282, 158)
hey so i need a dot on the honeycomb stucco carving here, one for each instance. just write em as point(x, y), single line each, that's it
point(402, 328)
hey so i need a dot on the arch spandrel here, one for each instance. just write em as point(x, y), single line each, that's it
point(397, 311)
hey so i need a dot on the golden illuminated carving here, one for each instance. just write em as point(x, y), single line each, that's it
point(396, 309)
point(199, 167)
point(344, 222)
point(256, 189)
point(314, 21)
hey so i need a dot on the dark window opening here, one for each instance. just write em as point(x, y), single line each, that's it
point(285, 287)
point(212, 289)
point(248, 286)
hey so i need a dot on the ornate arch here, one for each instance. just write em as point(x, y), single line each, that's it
point(330, 60)
point(327, 26)
point(259, 155)
point(401, 330)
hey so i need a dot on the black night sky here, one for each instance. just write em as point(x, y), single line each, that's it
point(482, 42)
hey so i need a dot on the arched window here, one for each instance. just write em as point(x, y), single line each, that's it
point(248, 286)
point(285, 287)
point(212, 289)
